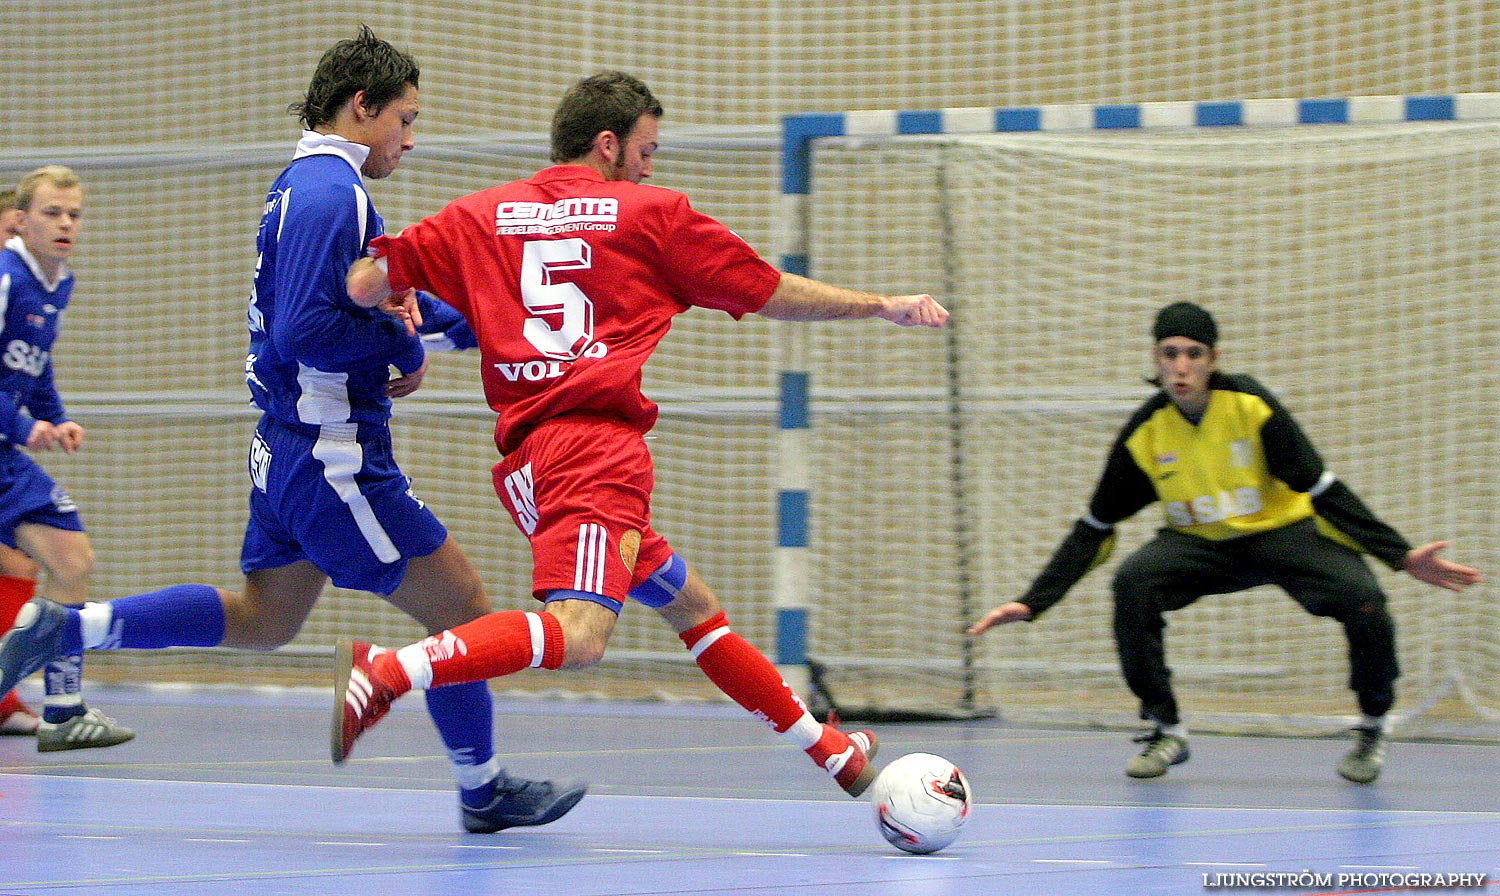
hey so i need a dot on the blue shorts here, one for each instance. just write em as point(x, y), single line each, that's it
point(28, 495)
point(337, 501)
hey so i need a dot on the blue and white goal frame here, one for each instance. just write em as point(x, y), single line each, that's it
point(798, 134)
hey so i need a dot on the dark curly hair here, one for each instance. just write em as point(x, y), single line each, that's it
point(364, 62)
point(608, 101)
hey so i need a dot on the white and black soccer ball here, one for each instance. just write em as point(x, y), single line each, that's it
point(921, 802)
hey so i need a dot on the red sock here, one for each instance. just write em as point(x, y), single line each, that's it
point(14, 593)
point(743, 673)
point(495, 645)
point(10, 703)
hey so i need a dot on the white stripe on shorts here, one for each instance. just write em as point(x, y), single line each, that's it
point(588, 571)
point(342, 457)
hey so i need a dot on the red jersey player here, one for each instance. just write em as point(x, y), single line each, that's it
point(570, 279)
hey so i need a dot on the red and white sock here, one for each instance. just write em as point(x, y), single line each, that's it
point(744, 673)
point(489, 647)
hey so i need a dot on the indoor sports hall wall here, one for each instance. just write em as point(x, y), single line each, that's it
point(174, 113)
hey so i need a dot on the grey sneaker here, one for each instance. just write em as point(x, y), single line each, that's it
point(1162, 751)
point(90, 728)
point(1362, 764)
point(521, 803)
point(31, 642)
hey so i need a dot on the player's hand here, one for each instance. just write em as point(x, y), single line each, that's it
point(1424, 564)
point(403, 307)
point(1015, 611)
point(43, 436)
point(69, 436)
point(914, 311)
point(402, 386)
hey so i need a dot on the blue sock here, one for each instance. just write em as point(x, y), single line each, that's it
point(63, 678)
point(464, 716)
point(177, 616)
point(70, 639)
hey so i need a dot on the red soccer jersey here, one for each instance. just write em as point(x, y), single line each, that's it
point(569, 282)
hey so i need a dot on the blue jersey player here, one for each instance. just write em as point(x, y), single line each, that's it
point(18, 572)
point(327, 499)
point(36, 515)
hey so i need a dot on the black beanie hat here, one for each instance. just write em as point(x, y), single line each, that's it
point(1186, 319)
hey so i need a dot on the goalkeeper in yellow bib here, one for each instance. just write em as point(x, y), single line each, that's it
point(1248, 502)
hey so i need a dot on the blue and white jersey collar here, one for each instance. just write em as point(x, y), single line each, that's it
point(18, 246)
point(316, 144)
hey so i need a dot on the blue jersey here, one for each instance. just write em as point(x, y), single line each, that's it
point(30, 311)
point(315, 357)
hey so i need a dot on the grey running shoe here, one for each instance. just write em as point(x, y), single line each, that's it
point(1162, 751)
point(90, 728)
point(1362, 764)
point(31, 642)
point(521, 803)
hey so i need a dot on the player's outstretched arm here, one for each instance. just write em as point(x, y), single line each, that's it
point(1015, 611)
point(1424, 564)
point(800, 298)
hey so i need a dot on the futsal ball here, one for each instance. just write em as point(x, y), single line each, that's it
point(921, 802)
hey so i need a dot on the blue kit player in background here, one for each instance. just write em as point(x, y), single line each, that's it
point(18, 572)
point(36, 515)
point(327, 499)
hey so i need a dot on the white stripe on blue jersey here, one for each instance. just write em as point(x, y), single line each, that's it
point(324, 396)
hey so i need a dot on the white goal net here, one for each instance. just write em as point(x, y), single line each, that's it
point(1353, 270)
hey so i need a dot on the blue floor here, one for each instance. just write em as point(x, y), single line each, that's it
point(231, 792)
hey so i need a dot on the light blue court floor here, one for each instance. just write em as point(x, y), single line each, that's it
point(231, 792)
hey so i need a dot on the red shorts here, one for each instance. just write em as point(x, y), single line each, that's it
point(579, 488)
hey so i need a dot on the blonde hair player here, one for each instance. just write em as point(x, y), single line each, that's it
point(37, 516)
